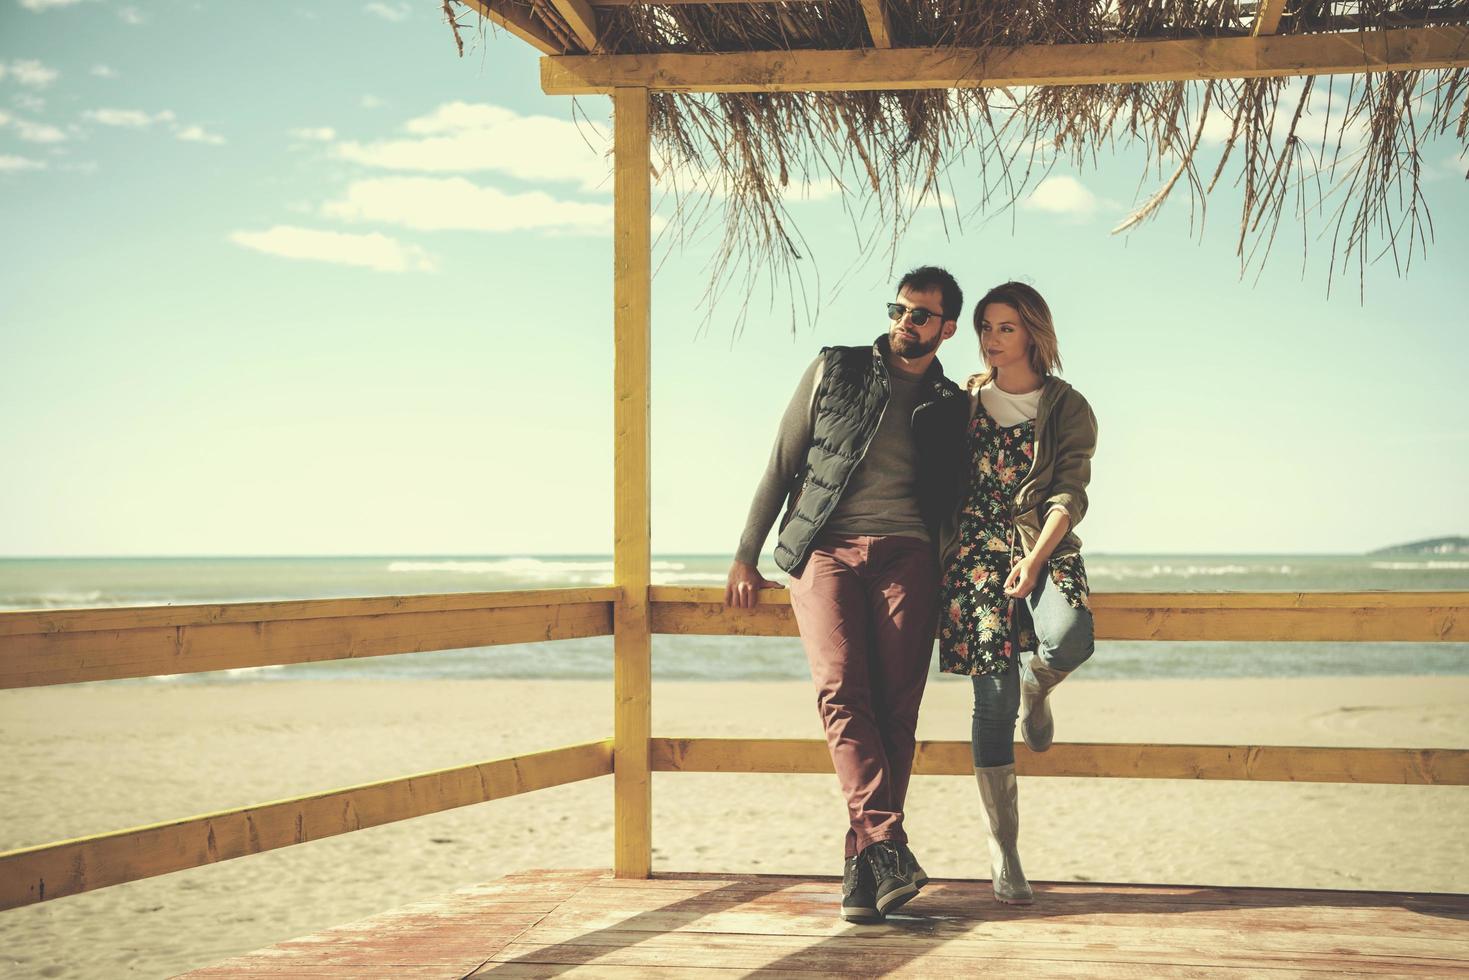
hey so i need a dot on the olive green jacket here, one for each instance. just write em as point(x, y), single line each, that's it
point(1065, 439)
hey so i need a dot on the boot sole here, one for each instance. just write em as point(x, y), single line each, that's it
point(861, 916)
point(1015, 901)
point(896, 898)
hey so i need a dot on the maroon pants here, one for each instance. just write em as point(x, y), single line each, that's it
point(867, 608)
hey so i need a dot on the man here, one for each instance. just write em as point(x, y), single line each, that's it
point(866, 461)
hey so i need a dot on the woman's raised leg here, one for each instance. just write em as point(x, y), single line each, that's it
point(1065, 639)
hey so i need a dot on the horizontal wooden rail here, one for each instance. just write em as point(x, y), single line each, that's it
point(66, 646)
point(1270, 763)
point(35, 874)
point(1415, 617)
point(1105, 63)
point(135, 617)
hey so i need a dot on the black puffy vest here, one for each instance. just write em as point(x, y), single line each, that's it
point(849, 401)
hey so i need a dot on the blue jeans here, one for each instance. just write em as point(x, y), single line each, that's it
point(1065, 639)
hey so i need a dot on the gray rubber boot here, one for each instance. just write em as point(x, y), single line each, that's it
point(998, 791)
point(1037, 726)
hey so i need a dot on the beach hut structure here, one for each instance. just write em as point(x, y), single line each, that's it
point(631, 921)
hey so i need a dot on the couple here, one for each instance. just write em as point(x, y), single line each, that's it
point(911, 503)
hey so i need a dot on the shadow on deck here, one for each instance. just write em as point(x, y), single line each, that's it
point(586, 923)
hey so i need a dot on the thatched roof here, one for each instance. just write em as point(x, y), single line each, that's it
point(1348, 164)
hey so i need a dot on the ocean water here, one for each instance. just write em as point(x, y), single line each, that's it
point(53, 583)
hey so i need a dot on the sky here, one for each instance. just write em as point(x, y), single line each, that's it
point(286, 279)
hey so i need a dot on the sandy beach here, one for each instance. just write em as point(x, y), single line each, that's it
point(92, 758)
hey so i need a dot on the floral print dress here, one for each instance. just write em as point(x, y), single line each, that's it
point(981, 628)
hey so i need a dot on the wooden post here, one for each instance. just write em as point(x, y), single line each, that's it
point(632, 637)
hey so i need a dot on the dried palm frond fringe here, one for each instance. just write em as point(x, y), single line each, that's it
point(1341, 151)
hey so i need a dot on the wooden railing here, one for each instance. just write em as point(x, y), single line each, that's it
point(73, 645)
point(64, 646)
point(1419, 617)
point(69, 646)
point(1267, 617)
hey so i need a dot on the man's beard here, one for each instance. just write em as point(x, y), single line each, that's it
point(903, 347)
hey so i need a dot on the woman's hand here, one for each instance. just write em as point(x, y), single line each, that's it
point(1023, 576)
point(1028, 570)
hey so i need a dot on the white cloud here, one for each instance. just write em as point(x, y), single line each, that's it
point(372, 102)
point(104, 71)
point(1217, 127)
point(13, 164)
point(141, 119)
point(821, 189)
point(197, 134)
point(34, 132)
point(31, 72)
point(374, 251)
point(29, 101)
point(131, 15)
point(463, 137)
point(320, 134)
point(1061, 195)
point(40, 5)
point(1321, 121)
point(389, 11)
point(440, 204)
point(132, 118)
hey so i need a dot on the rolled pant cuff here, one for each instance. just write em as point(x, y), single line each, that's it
point(896, 836)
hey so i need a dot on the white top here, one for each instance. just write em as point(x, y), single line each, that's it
point(1007, 409)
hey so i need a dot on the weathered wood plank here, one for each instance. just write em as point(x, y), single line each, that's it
point(516, 19)
point(1304, 920)
point(685, 3)
point(601, 971)
point(632, 505)
point(980, 920)
point(720, 925)
point(459, 931)
point(1267, 17)
point(879, 24)
point(1177, 600)
point(1039, 64)
point(1060, 894)
point(582, 19)
point(965, 932)
point(762, 949)
point(1418, 617)
point(66, 657)
point(139, 617)
point(36, 874)
point(1268, 763)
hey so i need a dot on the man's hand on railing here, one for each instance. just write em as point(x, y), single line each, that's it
point(742, 590)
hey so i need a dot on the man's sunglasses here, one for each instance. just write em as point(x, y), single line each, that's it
point(917, 314)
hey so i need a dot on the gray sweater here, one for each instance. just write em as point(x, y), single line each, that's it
point(881, 497)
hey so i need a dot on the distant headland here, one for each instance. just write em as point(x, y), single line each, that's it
point(1453, 545)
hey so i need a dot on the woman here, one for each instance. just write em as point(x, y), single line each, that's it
point(1014, 580)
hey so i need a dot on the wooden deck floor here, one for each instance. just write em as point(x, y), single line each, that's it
point(588, 924)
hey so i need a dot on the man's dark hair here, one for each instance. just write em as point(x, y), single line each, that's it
point(927, 277)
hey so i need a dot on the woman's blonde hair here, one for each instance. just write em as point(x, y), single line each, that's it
point(1035, 316)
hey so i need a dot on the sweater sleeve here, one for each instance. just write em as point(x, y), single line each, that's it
point(1075, 445)
point(787, 458)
